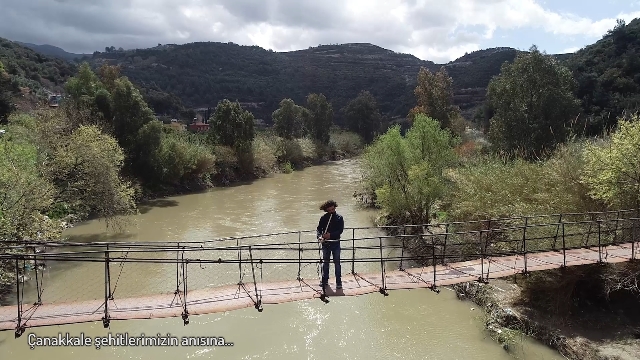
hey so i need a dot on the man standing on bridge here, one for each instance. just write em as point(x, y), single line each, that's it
point(328, 233)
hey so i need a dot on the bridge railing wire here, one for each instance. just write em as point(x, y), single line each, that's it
point(120, 271)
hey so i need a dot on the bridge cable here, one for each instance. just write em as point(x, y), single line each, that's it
point(121, 268)
point(32, 309)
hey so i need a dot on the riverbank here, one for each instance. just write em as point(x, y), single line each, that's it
point(589, 335)
point(268, 160)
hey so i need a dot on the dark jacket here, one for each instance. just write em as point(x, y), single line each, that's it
point(336, 227)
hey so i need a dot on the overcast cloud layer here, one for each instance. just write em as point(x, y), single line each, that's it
point(432, 30)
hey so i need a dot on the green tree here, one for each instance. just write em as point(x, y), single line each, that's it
point(24, 193)
point(319, 118)
point(434, 95)
point(6, 104)
point(86, 169)
point(406, 174)
point(533, 102)
point(611, 169)
point(288, 120)
point(130, 112)
point(82, 88)
point(362, 116)
point(230, 125)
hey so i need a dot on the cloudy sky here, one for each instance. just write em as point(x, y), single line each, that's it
point(429, 29)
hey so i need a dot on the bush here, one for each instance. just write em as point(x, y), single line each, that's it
point(406, 174)
point(345, 143)
point(308, 148)
point(264, 153)
point(180, 160)
point(612, 166)
point(496, 187)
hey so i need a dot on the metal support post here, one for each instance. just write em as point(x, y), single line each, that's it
point(433, 253)
point(258, 302)
point(404, 233)
point(177, 269)
point(444, 248)
point(353, 251)
point(564, 249)
point(481, 279)
point(35, 265)
point(299, 255)
point(105, 318)
point(239, 262)
point(599, 244)
point(633, 239)
point(109, 273)
point(185, 312)
point(555, 239)
point(19, 327)
point(524, 244)
point(383, 289)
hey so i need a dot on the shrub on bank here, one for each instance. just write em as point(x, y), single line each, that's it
point(180, 159)
point(491, 186)
point(345, 143)
point(405, 174)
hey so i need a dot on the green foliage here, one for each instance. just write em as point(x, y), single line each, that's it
point(362, 116)
point(82, 87)
point(434, 95)
point(287, 168)
point(24, 193)
point(144, 156)
point(33, 70)
point(611, 169)
point(533, 103)
point(288, 120)
point(291, 152)
point(230, 125)
point(319, 117)
point(6, 104)
point(493, 187)
point(85, 167)
point(181, 160)
point(607, 77)
point(265, 154)
point(130, 113)
point(407, 173)
point(345, 143)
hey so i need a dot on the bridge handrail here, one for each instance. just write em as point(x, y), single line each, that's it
point(22, 244)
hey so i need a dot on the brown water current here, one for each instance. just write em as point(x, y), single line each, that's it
point(407, 324)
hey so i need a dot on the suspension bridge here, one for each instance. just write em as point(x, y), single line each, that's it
point(146, 280)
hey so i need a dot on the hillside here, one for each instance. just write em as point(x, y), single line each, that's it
point(33, 75)
point(202, 74)
point(608, 76)
point(53, 51)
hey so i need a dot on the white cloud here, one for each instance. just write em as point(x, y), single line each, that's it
point(570, 50)
point(430, 29)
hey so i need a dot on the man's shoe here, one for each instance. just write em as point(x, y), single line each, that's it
point(322, 285)
point(339, 287)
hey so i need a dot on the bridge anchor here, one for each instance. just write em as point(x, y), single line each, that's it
point(19, 331)
point(105, 322)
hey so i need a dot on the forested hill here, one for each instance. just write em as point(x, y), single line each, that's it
point(33, 72)
point(608, 76)
point(202, 74)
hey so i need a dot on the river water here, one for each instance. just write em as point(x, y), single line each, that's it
point(407, 324)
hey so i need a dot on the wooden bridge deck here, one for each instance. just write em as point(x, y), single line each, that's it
point(227, 298)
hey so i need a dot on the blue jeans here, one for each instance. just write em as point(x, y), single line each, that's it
point(331, 248)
